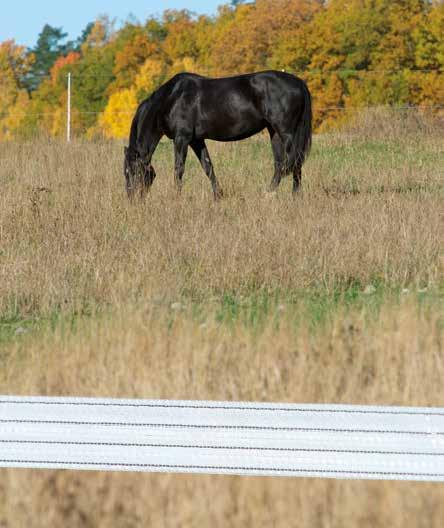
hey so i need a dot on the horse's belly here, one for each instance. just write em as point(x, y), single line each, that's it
point(236, 137)
point(230, 130)
point(228, 117)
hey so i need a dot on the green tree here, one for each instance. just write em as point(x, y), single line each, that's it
point(84, 35)
point(51, 43)
point(92, 75)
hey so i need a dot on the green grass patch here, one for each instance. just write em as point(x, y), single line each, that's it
point(311, 308)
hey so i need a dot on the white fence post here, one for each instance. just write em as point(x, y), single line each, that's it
point(68, 110)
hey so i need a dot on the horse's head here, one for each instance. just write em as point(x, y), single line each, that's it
point(138, 173)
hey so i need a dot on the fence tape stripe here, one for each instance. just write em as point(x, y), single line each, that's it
point(333, 441)
point(241, 407)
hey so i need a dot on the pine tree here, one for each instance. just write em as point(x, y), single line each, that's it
point(50, 45)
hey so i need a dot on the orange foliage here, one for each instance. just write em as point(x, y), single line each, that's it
point(133, 55)
point(63, 61)
point(248, 38)
point(352, 53)
point(180, 41)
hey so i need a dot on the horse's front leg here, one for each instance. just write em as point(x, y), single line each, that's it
point(147, 181)
point(201, 151)
point(146, 172)
point(180, 155)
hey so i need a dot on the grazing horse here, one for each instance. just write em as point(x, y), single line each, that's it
point(190, 108)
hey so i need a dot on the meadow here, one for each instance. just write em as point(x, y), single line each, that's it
point(334, 295)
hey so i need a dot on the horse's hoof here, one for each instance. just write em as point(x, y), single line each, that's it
point(218, 195)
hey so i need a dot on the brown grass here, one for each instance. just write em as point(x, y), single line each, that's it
point(370, 211)
point(72, 247)
point(396, 358)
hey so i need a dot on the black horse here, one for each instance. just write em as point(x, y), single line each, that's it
point(190, 108)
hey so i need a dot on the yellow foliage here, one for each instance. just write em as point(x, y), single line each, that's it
point(187, 64)
point(327, 90)
point(151, 75)
point(180, 41)
point(58, 126)
point(429, 39)
point(116, 119)
point(15, 116)
point(426, 88)
point(14, 64)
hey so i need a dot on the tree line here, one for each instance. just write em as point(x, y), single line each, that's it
point(352, 53)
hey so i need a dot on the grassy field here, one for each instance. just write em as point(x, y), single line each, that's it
point(334, 296)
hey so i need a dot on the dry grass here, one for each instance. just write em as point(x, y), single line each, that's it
point(270, 305)
point(370, 211)
point(395, 358)
point(386, 123)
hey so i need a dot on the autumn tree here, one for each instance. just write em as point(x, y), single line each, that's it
point(92, 75)
point(426, 87)
point(180, 40)
point(84, 36)
point(15, 64)
point(116, 119)
point(428, 39)
point(139, 45)
point(248, 39)
point(352, 53)
point(51, 44)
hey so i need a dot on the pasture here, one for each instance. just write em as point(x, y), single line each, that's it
point(333, 296)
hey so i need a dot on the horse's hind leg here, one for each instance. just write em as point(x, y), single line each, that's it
point(297, 176)
point(284, 160)
point(279, 159)
point(201, 151)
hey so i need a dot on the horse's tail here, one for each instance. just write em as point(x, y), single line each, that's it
point(303, 133)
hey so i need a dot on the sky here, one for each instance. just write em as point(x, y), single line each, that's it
point(22, 20)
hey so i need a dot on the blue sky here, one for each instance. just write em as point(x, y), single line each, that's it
point(22, 20)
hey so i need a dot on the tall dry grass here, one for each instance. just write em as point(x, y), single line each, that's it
point(132, 298)
point(370, 211)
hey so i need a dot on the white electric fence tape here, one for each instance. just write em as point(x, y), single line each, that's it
point(362, 442)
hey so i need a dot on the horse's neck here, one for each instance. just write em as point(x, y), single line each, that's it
point(144, 135)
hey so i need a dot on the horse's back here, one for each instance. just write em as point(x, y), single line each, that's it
point(256, 82)
point(230, 108)
point(274, 94)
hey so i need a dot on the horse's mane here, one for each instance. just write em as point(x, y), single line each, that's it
point(145, 113)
